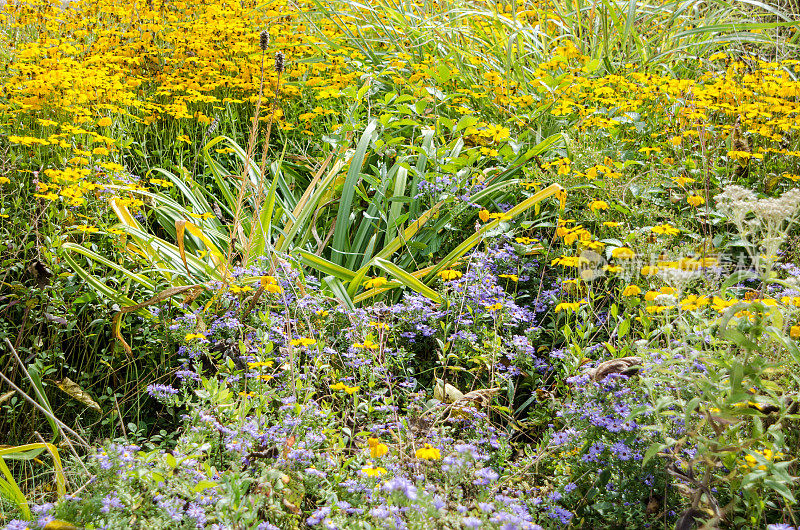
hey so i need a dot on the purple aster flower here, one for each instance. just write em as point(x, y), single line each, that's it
point(198, 513)
point(621, 451)
point(471, 522)
point(111, 501)
point(485, 476)
point(318, 516)
point(402, 485)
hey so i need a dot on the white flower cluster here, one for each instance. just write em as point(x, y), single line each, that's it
point(770, 219)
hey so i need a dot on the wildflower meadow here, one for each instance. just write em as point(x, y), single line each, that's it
point(424, 264)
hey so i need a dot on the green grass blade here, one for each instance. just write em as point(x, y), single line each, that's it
point(340, 244)
point(407, 279)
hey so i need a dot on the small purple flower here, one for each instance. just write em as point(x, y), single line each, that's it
point(621, 451)
point(402, 485)
point(198, 513)
point(485, 476)
point(17, 524)
point(111, 501)
point(471, 522)
point(162, 393)
point(318, 516)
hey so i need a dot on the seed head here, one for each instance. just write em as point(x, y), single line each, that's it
point(279, 66)
point(264, 40)
point(212, 127)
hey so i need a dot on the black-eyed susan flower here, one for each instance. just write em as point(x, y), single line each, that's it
point(377, 448)
point(632, 290)
point(428, 452)
point(375, 283)
point(450, 274)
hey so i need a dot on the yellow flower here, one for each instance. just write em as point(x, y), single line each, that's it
point(104, 122)
point(373, 472)
point(692, 302)
point(612, 224)
point(632, 290)
point(376, 448)
point(695, 200)
point(349, 389)
point(236, 289)
point(161, 182)
point(367, 345)
point(512, 277)
point(794, 332)
point(622, 253)
point(450, 274)
point(484, 215)
point(374, 283)
point(4, 180)
point(303, 342)
point(428, 453)
point(649, 270)
point(568, 306)
point(665, 229)
point(494, 307)
point(100, 151)
point(199, 336)
point(259, 364)
point(596, 206)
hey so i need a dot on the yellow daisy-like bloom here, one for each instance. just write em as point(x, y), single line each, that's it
point(259, 364)
point(374, 283)
point(428, 453)
point(695, 200)
point(665, 229)
point(373, 472)
point(632, 290)
point(450, 274)
point(193, 336)
point(303, 342)
point(568, 306)
point(483, 215)
point(352, 389)
point(622, 253)
point(376, 448)
point(367, 345)
point(794, 332)
point(104, 122)
point(597, 205)
point(648, 270)
point(494, 307)
point(338, 386)
point(512, 277)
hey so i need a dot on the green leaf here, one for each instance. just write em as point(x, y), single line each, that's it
point(340, 245)
point(407, 279)
point(204, 485)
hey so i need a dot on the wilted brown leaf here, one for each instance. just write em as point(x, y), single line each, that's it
point(71, 387)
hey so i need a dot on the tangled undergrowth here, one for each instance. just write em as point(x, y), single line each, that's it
point(413, 265)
